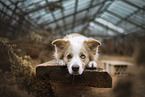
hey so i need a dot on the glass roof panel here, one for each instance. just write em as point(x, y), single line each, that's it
point(60, 23)
point(138, 18)
point(57, 14)
point(126, 26)
point(99, 30)
point(140, 3)
point(138, 30)
point(69, 4)
point(53, 0)
point(122, 5)
point(69, 20)
point(81, 15)
point(12, 6)
point(110, 25)
point(110, 18)
point(7, 2)
point(68, 11)
point(78, 28)
point(42, 2)
point(33, 1)
point(83, 4)
point(68, 7)
point(93, 11)
point(52, 26)
point(46, 18)
point(121, 8)
point(37, 14)
point(28, 3)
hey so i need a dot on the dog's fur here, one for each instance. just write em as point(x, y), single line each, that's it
point(76, 50)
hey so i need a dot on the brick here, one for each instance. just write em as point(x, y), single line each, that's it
point(53, 72)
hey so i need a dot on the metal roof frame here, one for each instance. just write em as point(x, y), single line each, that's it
point(83, 12)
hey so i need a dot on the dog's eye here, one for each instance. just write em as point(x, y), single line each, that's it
point(83, 56)
point(69, 56)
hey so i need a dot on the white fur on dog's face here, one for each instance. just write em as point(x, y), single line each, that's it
point(76, 50)
point(76, 55)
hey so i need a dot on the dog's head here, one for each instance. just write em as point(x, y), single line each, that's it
point(76, 55)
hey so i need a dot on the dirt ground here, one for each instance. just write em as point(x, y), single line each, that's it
point(71, 90)
point(122, 86)
point(67, 90)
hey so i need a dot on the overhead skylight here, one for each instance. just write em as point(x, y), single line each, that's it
point(110, 25)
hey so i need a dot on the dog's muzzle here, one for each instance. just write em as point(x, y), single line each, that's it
point(75, 68)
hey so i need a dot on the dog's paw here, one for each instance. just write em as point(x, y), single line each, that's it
point(92, 64)
point(61, 62)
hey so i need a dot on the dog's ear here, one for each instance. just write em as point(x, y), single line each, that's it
point(60, 43)
point(92, 44)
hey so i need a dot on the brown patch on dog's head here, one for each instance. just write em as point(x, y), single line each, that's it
point(60, 43)
point(60, 46)
point(92, 46)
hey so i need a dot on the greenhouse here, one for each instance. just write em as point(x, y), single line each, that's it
point(36, 61)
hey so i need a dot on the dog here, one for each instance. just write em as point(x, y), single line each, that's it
point(77, 52)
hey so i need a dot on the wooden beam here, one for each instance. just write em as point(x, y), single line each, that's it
point(59, 74)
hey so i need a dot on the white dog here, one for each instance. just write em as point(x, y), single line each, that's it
point(76, 51)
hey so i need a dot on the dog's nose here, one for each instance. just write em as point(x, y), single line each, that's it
point(75, 68)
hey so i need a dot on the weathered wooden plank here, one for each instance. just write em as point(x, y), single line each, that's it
point(56, 73)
